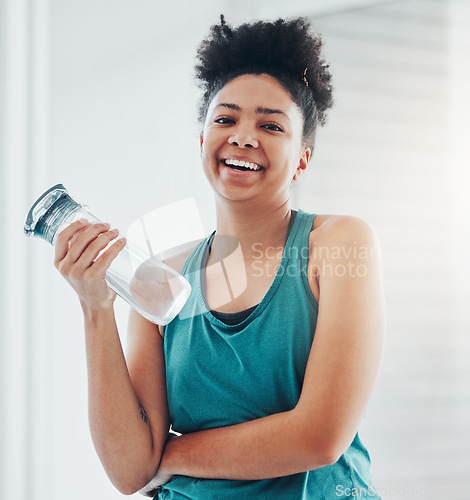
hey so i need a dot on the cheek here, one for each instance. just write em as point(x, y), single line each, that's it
point(212, 142)
point(207, 152)
point(288, 153)
point(208, 157)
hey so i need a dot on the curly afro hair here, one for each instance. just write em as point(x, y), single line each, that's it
point(283, 49)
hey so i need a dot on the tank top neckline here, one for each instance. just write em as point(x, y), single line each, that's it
point(255, 310)
point(239, 316)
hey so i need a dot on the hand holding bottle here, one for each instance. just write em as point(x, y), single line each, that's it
point(152, 288)
point(78, 259)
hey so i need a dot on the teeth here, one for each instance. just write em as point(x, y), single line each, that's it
point(240, 163)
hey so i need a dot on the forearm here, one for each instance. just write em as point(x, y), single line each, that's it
point(272, 446)
point(119, 427)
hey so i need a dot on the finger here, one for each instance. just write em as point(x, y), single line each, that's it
point(65, 236)
point(83, 240)
point(150, 488)
point(96, 247)
point(103, 262)
point(148, 491)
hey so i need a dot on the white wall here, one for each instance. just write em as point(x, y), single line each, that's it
point(24, 298)
point(99, 95)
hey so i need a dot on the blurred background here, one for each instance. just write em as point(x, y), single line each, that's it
point(99, 95)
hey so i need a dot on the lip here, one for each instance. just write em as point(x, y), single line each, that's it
point(232, 172)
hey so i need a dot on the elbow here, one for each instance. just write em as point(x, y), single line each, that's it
point(330, 456)
point(130, 472)
point(129, 486)
point(319, 456)
point(125, 490)
point(320, 452)
point(319, 445)
point(131, 480)
point(125, 486)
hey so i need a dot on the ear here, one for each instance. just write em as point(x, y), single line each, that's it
point(201, 140)
point(303, 163)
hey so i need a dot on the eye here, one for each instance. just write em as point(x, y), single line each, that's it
point(273, 126)
point(224, 120)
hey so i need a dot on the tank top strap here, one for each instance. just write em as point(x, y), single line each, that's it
point(299, 250)
point(191, 262)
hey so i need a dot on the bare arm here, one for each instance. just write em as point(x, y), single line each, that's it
point(345, 357)
point(128, 426)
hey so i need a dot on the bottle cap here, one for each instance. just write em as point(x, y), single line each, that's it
point(41, 206)
point(42, 218)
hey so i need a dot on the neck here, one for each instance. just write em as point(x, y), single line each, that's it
point(255, 229)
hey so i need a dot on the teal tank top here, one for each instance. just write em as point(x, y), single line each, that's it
point(220, 374)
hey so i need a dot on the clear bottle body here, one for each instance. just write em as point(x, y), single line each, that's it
point(148, 285)
point(152, 288)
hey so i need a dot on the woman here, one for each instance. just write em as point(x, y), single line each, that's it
point(268, 369)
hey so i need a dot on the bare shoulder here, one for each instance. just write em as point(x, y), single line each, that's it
point(340, 247)
point(332, 229)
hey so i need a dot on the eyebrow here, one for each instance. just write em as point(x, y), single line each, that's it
point(260, 110)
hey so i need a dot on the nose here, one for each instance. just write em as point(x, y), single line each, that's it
point(243, 138)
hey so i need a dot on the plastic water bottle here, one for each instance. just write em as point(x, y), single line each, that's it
point(152, 288)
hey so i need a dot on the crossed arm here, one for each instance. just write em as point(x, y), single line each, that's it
point(345, 357)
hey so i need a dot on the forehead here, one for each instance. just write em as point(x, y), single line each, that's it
point(250, 92)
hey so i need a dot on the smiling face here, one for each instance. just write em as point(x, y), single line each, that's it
point(251, 147)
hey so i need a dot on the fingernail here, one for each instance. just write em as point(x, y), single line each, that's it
point(82, 221)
